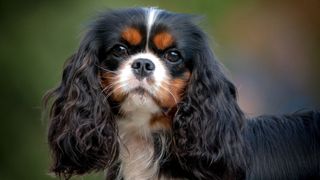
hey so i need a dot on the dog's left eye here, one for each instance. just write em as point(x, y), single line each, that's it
point(173, 56)
point(119, 51)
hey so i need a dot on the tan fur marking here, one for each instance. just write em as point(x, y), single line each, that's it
point(107, 79)
point(160, 121)
point(163, 40)
point(176, 87)
point(132, 36)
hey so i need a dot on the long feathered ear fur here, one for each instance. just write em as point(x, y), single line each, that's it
point(82, 132)
point(207, 124)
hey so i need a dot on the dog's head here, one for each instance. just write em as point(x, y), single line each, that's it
point(146, 54)
point(161, 61)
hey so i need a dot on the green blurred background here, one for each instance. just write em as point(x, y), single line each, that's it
point(270, 48)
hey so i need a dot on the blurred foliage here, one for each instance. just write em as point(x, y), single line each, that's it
point(35, 39)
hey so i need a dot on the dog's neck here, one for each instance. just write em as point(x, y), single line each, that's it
point(138, 157)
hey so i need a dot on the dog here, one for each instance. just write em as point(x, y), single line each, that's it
point(144, 98)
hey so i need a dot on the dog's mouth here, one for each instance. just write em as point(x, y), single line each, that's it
point(139, 90)
point(142, 92)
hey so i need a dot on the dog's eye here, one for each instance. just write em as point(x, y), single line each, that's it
point(173, 56)
point(119, 51)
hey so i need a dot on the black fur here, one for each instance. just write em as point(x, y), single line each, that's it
point(82, 134)
point(208, 122)
point(211, 138)
point(284, 147)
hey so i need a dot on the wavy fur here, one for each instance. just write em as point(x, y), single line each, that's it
point(81, 127)
point(208, 122)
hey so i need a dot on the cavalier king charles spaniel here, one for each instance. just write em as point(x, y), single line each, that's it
point(144, 98)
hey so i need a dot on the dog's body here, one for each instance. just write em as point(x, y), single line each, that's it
point(275, 147)
point(283, 147)
point(144, 98)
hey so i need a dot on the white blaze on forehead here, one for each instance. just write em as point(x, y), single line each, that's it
point(151, 14)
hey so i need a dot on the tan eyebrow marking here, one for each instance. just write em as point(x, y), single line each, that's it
point(163, 40)
point(132, 36)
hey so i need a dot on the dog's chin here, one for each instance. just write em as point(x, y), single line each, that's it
point(139, 100)
point(141, 93)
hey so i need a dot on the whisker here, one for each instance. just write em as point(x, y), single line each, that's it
point(113, 77)
point(168, 90)
point(172, 85)
point(107, 88)
point(107, 70)
point(110, 93)
point(114, 84)
point(169, 84)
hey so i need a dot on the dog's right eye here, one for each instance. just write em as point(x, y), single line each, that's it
point(119, 51)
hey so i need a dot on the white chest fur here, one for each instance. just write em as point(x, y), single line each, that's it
point(137, 153)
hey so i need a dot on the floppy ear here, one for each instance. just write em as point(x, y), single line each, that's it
point(207, 124)
point(82, 132)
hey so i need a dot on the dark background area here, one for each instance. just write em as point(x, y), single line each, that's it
point(270, 49)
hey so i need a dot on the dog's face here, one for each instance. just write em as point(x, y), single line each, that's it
point(158, 61)
point(147, 55)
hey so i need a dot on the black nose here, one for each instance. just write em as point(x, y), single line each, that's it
point(142, 68)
